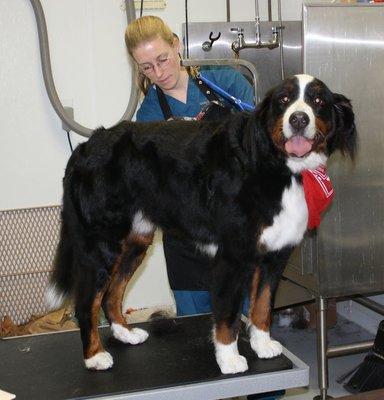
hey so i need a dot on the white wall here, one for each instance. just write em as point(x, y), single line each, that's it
point(92, 74)
point(90, 71)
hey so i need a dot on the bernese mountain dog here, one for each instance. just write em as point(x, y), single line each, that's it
point(233, 187)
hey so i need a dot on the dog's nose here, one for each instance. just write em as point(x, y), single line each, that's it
point(299, 120)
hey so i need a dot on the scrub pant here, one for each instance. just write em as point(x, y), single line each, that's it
point(189, 274)
point(190, 302)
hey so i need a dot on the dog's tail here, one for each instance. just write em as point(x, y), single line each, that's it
point(61, 281)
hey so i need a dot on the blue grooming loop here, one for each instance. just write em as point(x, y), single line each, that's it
point(237, 102)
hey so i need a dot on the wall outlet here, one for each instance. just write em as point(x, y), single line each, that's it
point(150, 4)
point(70, 112)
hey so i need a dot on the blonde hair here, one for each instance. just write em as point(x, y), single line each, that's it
point(142, 30)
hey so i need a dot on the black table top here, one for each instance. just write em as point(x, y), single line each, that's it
point(51, 366)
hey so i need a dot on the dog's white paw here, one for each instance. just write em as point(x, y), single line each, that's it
point(232, 364)
point(229, 359)
point(266, 348)
point(99, 361)
point(131, 336)
point(263, 345)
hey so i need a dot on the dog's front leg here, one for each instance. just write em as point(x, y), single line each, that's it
point(262, 293)
point(226, 351)
point(227, 296)
point(260, 318)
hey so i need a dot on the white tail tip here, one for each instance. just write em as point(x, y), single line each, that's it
point(54, 298)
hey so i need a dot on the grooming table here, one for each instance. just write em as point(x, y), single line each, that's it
point(178, 364)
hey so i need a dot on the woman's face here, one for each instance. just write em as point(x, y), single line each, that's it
point(159, 62)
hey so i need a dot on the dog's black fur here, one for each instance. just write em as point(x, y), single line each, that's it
point(215, 183)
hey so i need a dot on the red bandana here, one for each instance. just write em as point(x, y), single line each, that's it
point(318, 192)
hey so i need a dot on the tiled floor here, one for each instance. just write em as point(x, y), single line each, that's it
point(302, 343)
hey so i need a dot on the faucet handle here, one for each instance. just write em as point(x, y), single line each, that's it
point(238, 43)
point(276, 29)
point(238, 30)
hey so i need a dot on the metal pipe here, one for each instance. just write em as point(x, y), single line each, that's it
point(135, 91)
point(352, 348)
point(257, 22)
point(130, 10)
point(228, 4)
point(270, 10)
point(322, 363)
point(281, 40)
point(186, 29)
point(257, 8)
point(48, 77)
point(371, 304)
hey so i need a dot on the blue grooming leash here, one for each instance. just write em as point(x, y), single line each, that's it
point(240, 104)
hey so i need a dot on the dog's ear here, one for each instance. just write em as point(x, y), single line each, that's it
point(255, 140)
point(344, 136)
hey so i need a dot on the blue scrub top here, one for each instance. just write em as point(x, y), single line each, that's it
point(227, 78)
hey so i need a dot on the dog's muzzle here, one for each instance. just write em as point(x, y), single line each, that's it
point(298, 145)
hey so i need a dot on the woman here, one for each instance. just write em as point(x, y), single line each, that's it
point(171, 92)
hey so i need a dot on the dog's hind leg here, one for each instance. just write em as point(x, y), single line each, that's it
point(88, 306)
point(133, 252)
point(227, 296)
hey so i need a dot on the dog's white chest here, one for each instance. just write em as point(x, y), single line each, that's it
point(290, 224)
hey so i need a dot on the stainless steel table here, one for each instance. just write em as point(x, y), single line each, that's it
point(178, 364)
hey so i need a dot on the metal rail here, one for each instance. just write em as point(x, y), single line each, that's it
point(371, 304)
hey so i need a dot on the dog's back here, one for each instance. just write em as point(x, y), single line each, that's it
point(109, 173)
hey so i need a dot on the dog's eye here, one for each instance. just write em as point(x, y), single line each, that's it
point(284, 99)
point(318, 101)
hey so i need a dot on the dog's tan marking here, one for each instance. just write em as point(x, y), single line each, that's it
point(277, 134)
point(322, 128)
point(225, 334)
point(119, 279)
point(253, 291)
point(95, 345)
point(260, 313)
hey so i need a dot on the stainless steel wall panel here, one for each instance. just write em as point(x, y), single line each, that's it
point(267, 62)
point(344, 46)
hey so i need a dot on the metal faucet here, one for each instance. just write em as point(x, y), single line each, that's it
point(240, 43)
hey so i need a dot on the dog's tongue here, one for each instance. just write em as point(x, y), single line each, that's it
point(298, 145)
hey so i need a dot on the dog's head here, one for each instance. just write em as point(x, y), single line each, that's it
point(305, 122)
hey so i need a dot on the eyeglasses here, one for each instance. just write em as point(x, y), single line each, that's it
point(149, 68)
